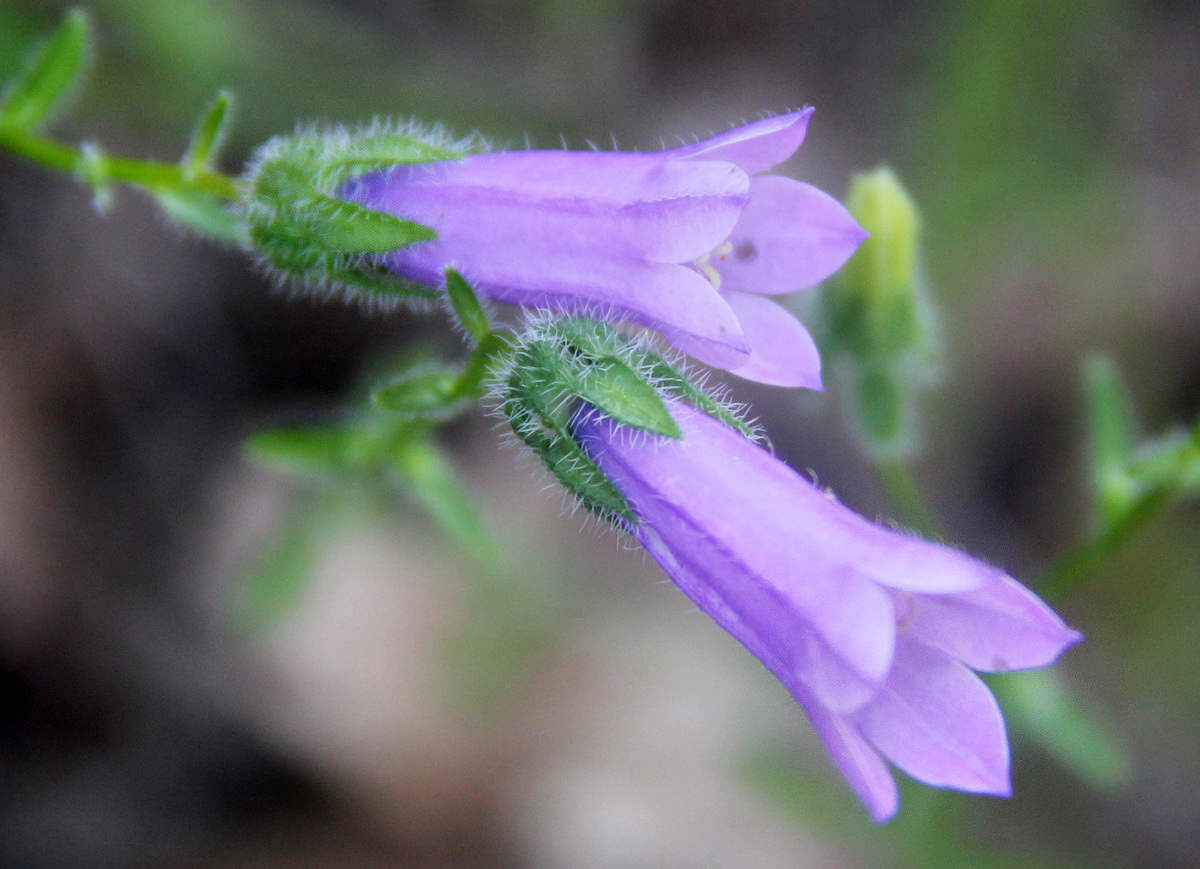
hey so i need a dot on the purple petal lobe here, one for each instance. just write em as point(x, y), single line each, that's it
point(756, 147)
point(705, 349)
point(1002, 626)
point(908, 563)
point(856, 760)
point(782, 353)
point(789, 237)
point(939, 723)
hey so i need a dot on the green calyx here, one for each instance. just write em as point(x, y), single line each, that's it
point(302, 228)
point(562, 368)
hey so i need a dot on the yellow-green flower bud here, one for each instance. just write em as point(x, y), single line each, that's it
point(880, 325)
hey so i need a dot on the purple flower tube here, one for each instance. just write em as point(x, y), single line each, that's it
point(683, 241)
point(873, 631)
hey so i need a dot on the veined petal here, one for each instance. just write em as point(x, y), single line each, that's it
point(782, 353)
point(1002, 626)
point(848, 652)
point(939, 723)
point(756, 147)
point(835, 638)
point(823, 529)
point(601, 176)
point(726, 535)
point(856, 760)
point(605, 205)
point(790, 236)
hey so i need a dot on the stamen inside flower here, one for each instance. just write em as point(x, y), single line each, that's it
point(707, 269)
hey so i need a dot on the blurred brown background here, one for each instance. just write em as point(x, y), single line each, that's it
point(403, 709)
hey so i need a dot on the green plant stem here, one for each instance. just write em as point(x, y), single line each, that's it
point(905, 497)
point(1074, 566)
point(149, 174)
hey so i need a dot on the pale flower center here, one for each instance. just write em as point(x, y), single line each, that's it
point(707, 269)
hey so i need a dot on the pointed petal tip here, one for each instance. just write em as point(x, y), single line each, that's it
point(883, 811)
point(782, 352)
point(757, 146)
point(1068, 638)
point(791, 235)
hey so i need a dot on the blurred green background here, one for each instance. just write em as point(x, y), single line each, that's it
point(207, 663)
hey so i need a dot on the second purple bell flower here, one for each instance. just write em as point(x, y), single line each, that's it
point(874, 632)
point(684, 241)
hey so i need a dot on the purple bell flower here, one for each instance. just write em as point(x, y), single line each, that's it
point(874, 632)
point(683, 241)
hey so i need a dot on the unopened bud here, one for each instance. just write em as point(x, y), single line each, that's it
point(881, 326)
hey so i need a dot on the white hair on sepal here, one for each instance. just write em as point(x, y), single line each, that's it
point(318, 282)
point(330, 155)
point(638, 341)
point(641, 350)
point(701, 378)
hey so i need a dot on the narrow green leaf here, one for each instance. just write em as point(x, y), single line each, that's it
point(429, 477)
point(594, 369)
point(286, 204)
point(279, 575)
point(303, 449)
point(623, 394)
point(1042, 705)
point(537, 378)
point(202, 213)
point(375, 279)
point(593, 337)
point(32, 97)
point(287, 249)
point(428, 390)
point(208, 135)
point(467, 305)
point(494, 348)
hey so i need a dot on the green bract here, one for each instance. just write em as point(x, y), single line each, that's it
point(50, 74)
point(304, 231)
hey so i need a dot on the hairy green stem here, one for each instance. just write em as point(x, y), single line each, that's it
point(1070, 569)
point(149, 174)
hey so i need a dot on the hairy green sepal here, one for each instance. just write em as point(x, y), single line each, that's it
point(301, 226)
point(562, 368)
